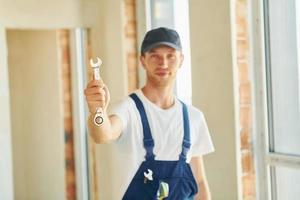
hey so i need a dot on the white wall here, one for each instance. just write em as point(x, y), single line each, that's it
point(214, 91)
point(107, 41)
point(104, 19)
point(40, 14)
point(36, 115)
point(6, 176)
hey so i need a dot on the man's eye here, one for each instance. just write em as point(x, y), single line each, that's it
point(171, 56)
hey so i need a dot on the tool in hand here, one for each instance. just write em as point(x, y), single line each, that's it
point(98, 118)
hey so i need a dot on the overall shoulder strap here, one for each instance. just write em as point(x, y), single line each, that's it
point(148, 140)
point(186, 143)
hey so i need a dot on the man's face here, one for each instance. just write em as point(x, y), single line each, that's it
point(161, 65)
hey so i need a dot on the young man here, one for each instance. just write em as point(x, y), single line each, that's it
point(157, 135)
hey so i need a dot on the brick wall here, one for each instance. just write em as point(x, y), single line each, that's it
point(131, 44)
point(248, 173)
point(132, 65)
point(65, 63)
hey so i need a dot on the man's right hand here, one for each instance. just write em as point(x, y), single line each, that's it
point(97, 95)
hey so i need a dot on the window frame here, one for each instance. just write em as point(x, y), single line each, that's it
point(266, 159)
point(78, 48)
point(147, 20)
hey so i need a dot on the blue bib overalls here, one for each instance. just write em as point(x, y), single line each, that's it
point(177, 174)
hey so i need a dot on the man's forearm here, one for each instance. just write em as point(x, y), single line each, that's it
point(203, 191)
point(102, 133)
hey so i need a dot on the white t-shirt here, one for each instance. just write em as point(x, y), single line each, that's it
point(166, 125)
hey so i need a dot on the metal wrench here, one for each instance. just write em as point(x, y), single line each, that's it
point(96, 67)
point(98, 118)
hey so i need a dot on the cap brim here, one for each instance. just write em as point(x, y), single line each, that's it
point(161, 44)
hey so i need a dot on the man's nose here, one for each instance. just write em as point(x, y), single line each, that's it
point(163, 62)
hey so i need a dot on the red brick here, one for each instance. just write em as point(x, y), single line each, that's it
point(65, 64)
point(245, 141)
point(245, 93)
point(245, 117)
point(130, 2)
point(131, 44)
point(248, 185)
point(247, 162)
point(130, 29)
point(242, 32)
point(243, 72)
point(130, 12)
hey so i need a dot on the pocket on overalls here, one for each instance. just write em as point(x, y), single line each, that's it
point(180, 188)
point(138, 190)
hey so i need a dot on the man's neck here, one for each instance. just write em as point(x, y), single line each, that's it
point(163, 97)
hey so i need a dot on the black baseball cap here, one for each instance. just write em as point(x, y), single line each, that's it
point(161, 36)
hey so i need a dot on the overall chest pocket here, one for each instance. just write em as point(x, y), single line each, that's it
point(177, 174)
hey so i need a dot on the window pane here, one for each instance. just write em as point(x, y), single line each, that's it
point(284, 71)
point(162, 13)
point(287, 183)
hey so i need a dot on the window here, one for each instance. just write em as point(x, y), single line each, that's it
point(277, 97)
point(174, 14)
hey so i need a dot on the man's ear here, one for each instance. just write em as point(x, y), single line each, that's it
point(142, 60)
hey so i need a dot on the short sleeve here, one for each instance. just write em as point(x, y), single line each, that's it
point(201, 140)
point(122, 111)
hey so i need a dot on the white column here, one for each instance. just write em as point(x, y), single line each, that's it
point(6, 170)
point(215, 92)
